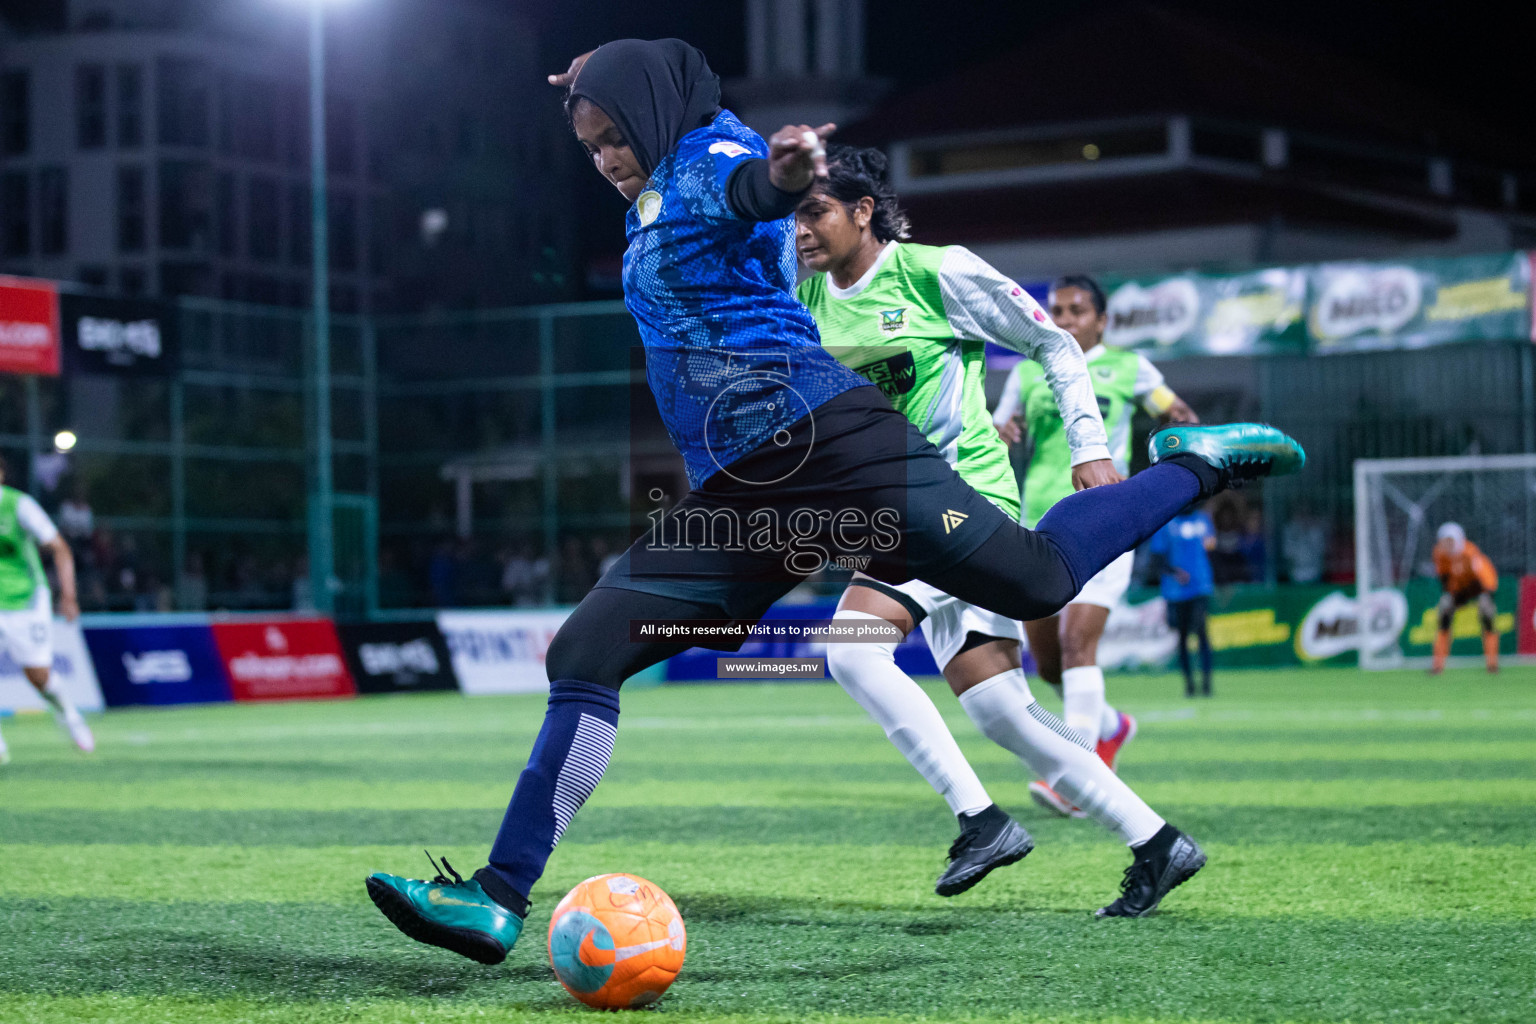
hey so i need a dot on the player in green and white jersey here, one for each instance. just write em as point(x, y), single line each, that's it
point(1065, 646)
point(915, 320)
point(26, 605)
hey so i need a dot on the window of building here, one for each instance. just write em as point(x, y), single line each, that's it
point(186, 205)
point(16, 209)
point(378, 234)
point(53, 210)
point(130, 209)
point(130, 281)
point(299, 235)
point(340, 136)
point(263, 220)
point(183, 102)
point(295, 120)
point(248, 116)
point(342, 230)
point(90, 106)
point(15, 113)
point(179, 278)
point(227, 208)
point(130, 106)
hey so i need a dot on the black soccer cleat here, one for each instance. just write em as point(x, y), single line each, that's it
point(988, 839)
point(1162, 863)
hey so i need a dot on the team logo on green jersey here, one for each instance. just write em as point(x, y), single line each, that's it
point(1104, 372)
point(893, 320)
point(894, 376)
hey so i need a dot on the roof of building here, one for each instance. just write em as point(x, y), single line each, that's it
point(1139, 59)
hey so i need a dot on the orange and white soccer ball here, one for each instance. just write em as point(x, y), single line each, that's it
point(616, 941)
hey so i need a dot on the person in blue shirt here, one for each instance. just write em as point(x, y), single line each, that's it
point(795, 462)
point(1181, 552)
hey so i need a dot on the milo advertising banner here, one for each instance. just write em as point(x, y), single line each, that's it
point(1208, 315)
point(1355, 307)
point(1255, 626)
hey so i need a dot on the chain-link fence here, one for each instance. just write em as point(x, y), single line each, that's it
point(492, 458)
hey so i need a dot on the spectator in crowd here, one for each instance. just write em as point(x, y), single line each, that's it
point(395, 590)
point(76, 520)
point(442, 573)
point(1304, 544)
point(192, 585)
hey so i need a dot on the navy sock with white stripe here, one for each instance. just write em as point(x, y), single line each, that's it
point(566, 765)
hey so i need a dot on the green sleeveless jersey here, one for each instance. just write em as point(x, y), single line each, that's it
point(1121, 379)
point(917, 325)
point(21, 570)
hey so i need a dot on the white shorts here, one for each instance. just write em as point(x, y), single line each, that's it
point(948, 620)
point(1109, 586)
point(28, 635)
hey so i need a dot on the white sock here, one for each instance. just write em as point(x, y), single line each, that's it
point(899, 706)
point(1109, 721)
point(53, 693)
point(1006, 712)
point(1082, 699)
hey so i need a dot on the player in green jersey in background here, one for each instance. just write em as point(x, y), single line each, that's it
point(1066, 646)
point(915, 320)
point(26, 605)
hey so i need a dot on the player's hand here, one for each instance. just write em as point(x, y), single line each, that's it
point(1010, 431)
point(1097, 473)
point(69, 607)
point(1180, 412)
point(797, 156)
point(565, 79)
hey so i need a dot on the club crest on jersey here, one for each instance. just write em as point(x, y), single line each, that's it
point(953, 519)
point(1104, 372)
point(893, 320)
point(648, 206)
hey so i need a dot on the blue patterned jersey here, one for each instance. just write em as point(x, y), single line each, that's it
point(731, 355)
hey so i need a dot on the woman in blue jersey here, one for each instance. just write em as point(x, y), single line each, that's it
point(793, 459)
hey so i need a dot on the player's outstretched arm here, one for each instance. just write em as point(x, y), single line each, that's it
point(982, 304)
point(64, 566)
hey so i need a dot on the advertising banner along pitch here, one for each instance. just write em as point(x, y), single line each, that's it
point(1414, 303)
point(152, 664)
point(132, 336)
point(29, 326)
point(1209, 315)
point(397, 657)
point(500, 652)
point(283, 659)
point(72, 668)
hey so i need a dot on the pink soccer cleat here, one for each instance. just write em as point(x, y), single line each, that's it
point(1109, 750)
point(1053, 801)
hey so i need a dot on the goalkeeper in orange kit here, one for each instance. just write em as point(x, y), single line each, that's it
point(1466, 574)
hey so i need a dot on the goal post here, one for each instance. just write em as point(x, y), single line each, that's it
point(1399, 506)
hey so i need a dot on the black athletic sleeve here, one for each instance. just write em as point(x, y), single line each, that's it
point(753, 197)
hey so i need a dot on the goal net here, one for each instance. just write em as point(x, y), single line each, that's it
point(1400, 504)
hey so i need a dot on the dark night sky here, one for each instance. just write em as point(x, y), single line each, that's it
point(1473, 54)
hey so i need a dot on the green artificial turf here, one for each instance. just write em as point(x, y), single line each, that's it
point(1371, 839)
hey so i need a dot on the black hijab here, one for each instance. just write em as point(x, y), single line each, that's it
point(655, 91)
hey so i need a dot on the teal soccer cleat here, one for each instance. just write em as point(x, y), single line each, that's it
point(451, 913)
point(1236, 451)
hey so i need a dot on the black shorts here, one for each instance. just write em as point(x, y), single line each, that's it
point(854, 485)
point(1187, 616)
